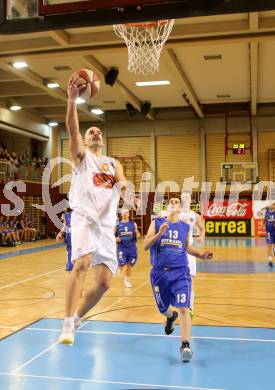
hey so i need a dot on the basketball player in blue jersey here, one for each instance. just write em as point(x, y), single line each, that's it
point(169, 242)
point(126, 237)
point(268, 213)
point(65, 233)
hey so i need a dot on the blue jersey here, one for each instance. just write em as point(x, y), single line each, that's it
point(270, 219)
point(127, 233)
point(170, 249)
point(68, 228)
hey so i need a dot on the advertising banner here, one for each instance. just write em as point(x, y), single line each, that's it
point(241, 209)
point(228, 227)
point(259, 226)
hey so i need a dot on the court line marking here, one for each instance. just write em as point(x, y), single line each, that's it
point(110, 382)
point(81, 326)
point(153, 335)
point(32, 359)
point(32, 278)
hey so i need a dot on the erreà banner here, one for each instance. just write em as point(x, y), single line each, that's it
point(228, 227)
point(241, 209)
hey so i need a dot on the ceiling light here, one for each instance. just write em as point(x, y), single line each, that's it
point(79, 100)
point(52, 85)
point(15, 108)
point(148, 83)
point(20, 65)
point(97, 111)
point(53, 124)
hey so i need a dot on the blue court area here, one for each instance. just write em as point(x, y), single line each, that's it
point(234, 267)
point(234, 242)
point(27, 251)
point(115, 355)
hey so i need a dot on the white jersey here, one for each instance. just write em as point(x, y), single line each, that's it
point(93, 193)
point(190, 218)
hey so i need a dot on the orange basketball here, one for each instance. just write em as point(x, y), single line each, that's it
point(88, 83)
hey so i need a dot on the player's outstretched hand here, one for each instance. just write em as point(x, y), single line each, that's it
point(207, 255)
point(163, 228)
point(59, 236)
point(73, 91)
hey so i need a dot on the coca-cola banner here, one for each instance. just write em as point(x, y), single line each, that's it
point(241, 209)
point(228, 227)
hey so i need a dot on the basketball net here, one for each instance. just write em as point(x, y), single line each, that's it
point(144, 42)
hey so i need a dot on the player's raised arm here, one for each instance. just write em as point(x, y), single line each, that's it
point(200, 227)
point(152, 236)
point(76, 144)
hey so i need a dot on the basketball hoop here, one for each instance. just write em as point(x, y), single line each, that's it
point(144, 42)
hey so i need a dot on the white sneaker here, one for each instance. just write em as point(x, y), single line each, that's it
point(127, 283)
point(67, 335)
point(186, 354)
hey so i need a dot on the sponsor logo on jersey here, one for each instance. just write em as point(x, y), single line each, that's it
point(105, 167)
point(103, 180)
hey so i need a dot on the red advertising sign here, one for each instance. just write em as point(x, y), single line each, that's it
point(241, 209)
point(259, 225)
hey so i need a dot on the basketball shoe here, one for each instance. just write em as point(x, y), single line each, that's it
point(68, 332)
point(185, 352)
point(169, 326)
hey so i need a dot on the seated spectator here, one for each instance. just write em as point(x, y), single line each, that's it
point(7, 238)
point(32, 232)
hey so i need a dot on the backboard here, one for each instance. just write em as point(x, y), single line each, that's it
point(242, 172)
point(48, 7)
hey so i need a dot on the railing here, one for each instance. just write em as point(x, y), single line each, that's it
point(9, 172)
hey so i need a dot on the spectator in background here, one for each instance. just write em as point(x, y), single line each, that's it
point(32, 232)
point(5, 235)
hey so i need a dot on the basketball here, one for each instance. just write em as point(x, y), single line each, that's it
point(88, 83)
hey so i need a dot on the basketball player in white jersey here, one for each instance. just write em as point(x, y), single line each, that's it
point(94, 194)
point(195, 221)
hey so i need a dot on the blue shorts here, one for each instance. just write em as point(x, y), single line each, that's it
point(127, 255)
point(270, 236)
point(171, 287)
point(69, 264)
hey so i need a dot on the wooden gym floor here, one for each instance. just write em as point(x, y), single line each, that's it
point(236, 288)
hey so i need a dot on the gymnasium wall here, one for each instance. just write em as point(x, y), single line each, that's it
point(176, 149)
point(266, 140)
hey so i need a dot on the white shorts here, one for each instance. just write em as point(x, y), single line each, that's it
point(94, 239)
point(192, 263)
